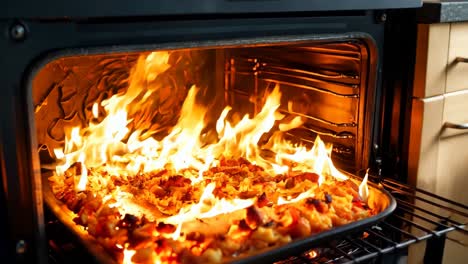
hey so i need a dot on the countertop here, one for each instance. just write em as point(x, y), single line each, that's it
point(440, 11)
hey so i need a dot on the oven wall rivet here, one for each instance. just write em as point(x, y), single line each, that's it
point(18, 32)
point(21, 247)
point(383, 17)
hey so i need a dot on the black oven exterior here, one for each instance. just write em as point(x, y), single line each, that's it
point(28, 40)
point(56, 9)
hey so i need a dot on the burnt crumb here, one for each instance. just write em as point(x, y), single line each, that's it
point(187, 196)
point(77, 220)
point(200, 220)
point(269, 224)
point(319, 205)
point(165, 228)
point(311, 176)
point(195, 236)
point(175, 181)
point(243, 225)
point(75, 201)
point(254, 217)
point(144, 220)
point(118, 182)
point(360, 203)
point(76, 205)
point(289, 183)
point(328, 198)
point(247, 195)
point(129, 221)
point(142, 234)
point(262, 197)
point(138, 182)
point(255, 168)
point(312, 201)
point(129, 218)
point(159, 242)
point(78, 169)
point(243, 161)
point(262, 200)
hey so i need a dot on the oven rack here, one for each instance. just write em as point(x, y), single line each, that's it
point(420, 217)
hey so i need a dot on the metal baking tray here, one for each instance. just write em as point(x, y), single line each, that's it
point(386, 202)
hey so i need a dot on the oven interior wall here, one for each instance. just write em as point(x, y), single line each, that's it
point(324, 83)
point(66, 89)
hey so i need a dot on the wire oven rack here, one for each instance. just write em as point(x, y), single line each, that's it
point(420, 217)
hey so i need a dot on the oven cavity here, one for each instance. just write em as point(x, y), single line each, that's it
point(208, 154)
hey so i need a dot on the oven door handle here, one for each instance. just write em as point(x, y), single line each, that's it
point(461, 59)
point(455, 125)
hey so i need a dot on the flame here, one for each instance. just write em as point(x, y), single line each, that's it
point(128, 254)
point(363, 188)
point(95, 110)
point(312, 254)
point(114, 143)
point(209, 206)
point(81, 186)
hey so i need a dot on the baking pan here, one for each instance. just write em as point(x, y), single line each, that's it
point(384, 200)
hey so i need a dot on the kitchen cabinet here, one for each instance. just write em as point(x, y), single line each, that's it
point(457, 71)
point(438, 149)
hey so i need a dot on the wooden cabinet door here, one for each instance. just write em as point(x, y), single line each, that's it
point(431, 60)
point(457, 71)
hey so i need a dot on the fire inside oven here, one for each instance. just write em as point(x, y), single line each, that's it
point(208, 154)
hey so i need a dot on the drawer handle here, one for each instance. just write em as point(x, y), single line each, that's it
point(461, 59)
point(455, 126)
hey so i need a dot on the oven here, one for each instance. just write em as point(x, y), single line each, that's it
point(344, 72)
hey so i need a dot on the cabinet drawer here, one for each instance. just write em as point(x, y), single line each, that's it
point(431, 59)
point(457, 72)
point(426, 122)
point(437, 70)
point(452, 163)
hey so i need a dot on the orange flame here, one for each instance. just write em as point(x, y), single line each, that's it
point(312, 254)
point(128, 254)
point(363, 188)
